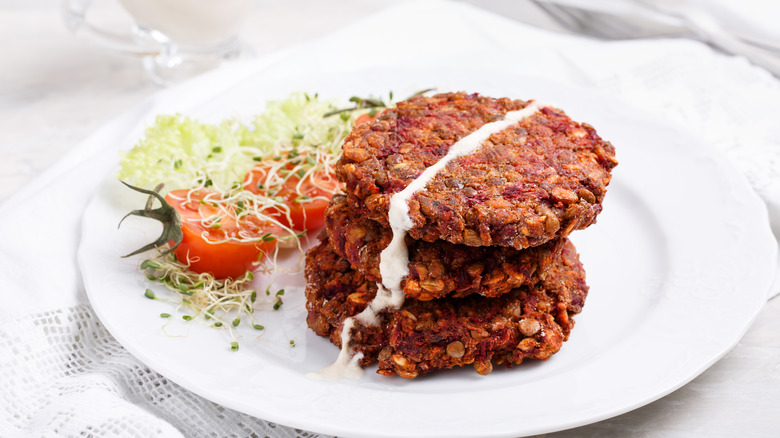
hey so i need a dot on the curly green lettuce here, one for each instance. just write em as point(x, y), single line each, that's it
point(184, 153)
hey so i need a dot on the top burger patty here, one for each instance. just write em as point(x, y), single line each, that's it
point(534, 181)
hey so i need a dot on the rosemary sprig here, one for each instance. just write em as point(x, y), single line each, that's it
point(370, 103)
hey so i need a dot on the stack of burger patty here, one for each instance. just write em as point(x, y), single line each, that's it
point(492, 278)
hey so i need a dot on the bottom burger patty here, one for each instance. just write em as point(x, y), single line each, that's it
point(530, 322)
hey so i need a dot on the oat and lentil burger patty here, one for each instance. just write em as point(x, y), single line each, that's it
point(438, 268)
point(537, 180)
point(423, 336)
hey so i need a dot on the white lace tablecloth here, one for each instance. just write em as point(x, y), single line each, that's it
point(64, 375)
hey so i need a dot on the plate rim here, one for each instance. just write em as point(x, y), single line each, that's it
point(294, 421)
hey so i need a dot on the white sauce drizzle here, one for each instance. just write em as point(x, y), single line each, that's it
point(344, 366)
point(394, 259)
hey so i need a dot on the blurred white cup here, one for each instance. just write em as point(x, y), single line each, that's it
point(176, 39)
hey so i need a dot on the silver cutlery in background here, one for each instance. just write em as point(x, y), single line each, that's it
point(627, 19)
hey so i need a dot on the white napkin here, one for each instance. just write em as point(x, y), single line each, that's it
point(754, 21)
point(751, 21)
point(63, 374)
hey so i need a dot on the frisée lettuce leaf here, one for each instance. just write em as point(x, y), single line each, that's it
point(184, 153)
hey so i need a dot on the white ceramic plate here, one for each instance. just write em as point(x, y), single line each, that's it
point(679, 263)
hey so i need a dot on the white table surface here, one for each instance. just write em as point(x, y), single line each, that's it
point(55, 91)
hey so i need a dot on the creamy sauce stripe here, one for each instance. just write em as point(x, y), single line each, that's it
point(394, 259)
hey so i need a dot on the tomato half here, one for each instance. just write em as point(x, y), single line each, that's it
point(205, 245)
point(365, 118)
point(306, 200)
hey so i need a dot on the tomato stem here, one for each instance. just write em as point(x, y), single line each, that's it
point(165, 214)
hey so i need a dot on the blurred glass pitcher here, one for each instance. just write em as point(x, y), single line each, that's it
point(176, 39)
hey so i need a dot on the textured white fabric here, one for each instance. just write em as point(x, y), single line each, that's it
point(64, 375)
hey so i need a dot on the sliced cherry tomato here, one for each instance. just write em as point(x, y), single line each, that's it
point(306, 200)
point(205, 246)
point(365, 118)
